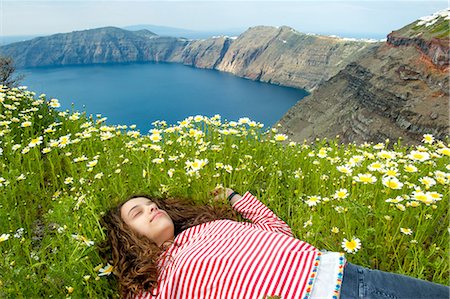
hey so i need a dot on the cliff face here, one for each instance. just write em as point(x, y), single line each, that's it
point(436, 50)
point(275, 55)
point(203, 53)
point(398, 89)
point(286, 57)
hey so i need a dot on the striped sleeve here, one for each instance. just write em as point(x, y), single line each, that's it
point(260, 215)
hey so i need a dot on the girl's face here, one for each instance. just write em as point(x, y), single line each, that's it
point(144, 217)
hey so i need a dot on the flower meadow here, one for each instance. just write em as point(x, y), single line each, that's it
point(385, 205)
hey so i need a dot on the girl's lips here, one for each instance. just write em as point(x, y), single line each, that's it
point(157, 214)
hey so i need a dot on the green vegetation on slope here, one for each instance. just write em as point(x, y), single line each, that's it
point(60, 170)
point(437, 27)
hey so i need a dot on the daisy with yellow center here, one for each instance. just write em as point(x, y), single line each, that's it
point(26, 124)
point(198, 118)
point(21, 177)
point(158, 160)
point(63, 141)
point(54, 103)
point(435, 195)
point(184, 123)
point(196, 165)
point(427, 181)
point(410, 168)
point(355, 160)
point(170, 130)
point(322, 153)
point(395, 200)
point(35, 141)
point(400, 206)
point(155, 137)
point(376, 166)
point(444, 151)
point(68, 181)
point(351, 246)
point(393, 172)
point(46, 150)
point(49, 130)
point(4, 237)
point(280, 137)
point(341, 194)
point(386, 155)
point(106, 135)
point(53, 143)
point(133, 134)
point(312, 200)
point(79, 159)
point(75, 116)
point(428, 138)
point(344, 169)
point(392, 182)
point(92, 163)
point(243, 120)
point(422, 197)
point(419, 156)
point(107, 270)
point(406, 231)
point(365, 178)
point(414, 204)
point(229, 168)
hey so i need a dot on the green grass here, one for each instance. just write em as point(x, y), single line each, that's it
point(440, 29)
point(59, 189)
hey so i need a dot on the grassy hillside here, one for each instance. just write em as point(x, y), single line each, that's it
point(60, 170)
point(434, 26)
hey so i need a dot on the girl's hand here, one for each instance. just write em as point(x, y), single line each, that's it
point(221, 194)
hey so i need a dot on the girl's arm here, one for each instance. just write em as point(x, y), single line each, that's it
point(261, 216)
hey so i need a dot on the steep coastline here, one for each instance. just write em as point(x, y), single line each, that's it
point(269, 54)
point(396, 90)
point(361, 91)
point(286, 57)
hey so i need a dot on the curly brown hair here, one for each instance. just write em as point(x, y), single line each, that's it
point(135, 257)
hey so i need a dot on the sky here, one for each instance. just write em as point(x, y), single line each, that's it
point(360, 19)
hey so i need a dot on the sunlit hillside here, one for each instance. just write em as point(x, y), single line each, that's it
point(385, 204)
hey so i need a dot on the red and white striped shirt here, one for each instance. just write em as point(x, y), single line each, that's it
point(229, 259)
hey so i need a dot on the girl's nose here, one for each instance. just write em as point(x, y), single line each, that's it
point(152, 208)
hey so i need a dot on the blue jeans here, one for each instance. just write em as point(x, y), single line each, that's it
point(363, 283)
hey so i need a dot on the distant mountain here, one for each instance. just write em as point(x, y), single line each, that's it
point(102, 45)
point(397, 89)
point(179, 32)
point(268, 54)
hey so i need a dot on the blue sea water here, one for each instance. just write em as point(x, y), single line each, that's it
point(140, 93)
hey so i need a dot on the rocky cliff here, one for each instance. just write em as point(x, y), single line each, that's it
point(286, 57)
point(398, 89)
point(206, 53)
point(276, 55)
